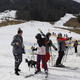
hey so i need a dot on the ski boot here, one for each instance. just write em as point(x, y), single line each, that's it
point(46, 73)
point(19, 70)
point(61, 65)
point(38, 71)
point(16, 71)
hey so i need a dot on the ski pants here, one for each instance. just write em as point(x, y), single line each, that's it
point(60, 56)
point(75, 49)
point(18, 60)
point(47, 58)
point(39, 58)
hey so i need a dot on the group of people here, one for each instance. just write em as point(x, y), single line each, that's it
point(42, 50)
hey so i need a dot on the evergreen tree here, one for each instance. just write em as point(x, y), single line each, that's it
point(78, 18)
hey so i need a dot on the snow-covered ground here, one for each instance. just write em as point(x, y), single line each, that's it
point(30, 29)
point(64, 20)
point(77, 1)
point(7, 15)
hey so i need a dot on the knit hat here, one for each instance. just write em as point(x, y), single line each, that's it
point(38, 36)
point(48, 34)
point(19, 30)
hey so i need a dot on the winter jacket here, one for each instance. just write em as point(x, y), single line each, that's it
point(48, 43)
point(41, 42)
point(75, 43)
point(41, 50)
point(61, 43)
point(17, 49)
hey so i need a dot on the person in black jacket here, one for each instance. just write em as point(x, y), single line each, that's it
point(41, 52)
point(17, 44)
point(75, 45)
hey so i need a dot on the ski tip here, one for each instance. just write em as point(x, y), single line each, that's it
point(38, 28)
point(24, 76)
point(45, 79)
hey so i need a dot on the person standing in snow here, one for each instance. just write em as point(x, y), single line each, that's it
point(17, 44)
point(41, 52)
point(48, 45)
point(61, 49)
point(75, 45)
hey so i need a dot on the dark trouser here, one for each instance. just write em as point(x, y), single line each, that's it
point(18, 60)
point(60, 56)
point(75, 49)
point(43, 58)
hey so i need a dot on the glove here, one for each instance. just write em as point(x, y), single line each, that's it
point(50, 41)
point(66, 46)
point(56, 49)
point(70, 38)
point(32, 48)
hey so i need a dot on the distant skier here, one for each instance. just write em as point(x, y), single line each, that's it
point(17, 44)
point(61, 49)
point(75, 45)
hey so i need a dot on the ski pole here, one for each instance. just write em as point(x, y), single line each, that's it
point(51, 56)
point(65, 56)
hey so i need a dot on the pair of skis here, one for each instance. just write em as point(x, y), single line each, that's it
point(66, 67)
point(30, 75)
point(46, 76)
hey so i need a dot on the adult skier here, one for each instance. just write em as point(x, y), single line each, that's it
point(48, 45)
point(17, 44)
point(61, 49)
point(41, 53)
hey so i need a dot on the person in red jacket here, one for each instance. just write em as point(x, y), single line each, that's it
point(61, 49)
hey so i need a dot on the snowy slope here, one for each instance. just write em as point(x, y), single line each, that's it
point(30, 29)
point(77, 1)
point(64, 20)
point(6, 14)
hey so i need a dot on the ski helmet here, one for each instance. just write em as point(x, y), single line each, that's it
point(38, 36)
point(59, 34)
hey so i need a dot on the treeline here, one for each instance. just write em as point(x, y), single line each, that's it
point(48, 10)
point(42, 10)
point(78, 18)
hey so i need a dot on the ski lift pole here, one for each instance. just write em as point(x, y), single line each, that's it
point(32, 54)
point(65, 56)
point(51, 57)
